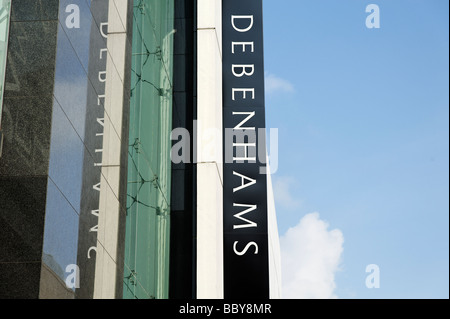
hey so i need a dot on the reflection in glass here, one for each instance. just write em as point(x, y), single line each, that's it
point(61, 235)
point(5, 9)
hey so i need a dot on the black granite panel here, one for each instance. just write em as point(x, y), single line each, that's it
point(22, 206)
point(31, 58)
point(32, 10)
point(19, 280)
point(26, 124)
point(26, 127)
point(12, 245)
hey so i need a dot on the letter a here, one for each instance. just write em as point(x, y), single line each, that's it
point(180, 152)
point(73, 19)
point(73, 279)
point(243, 184)
point(373, 19)
point(373, 279)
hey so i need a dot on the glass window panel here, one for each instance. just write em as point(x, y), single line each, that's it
point(149, 171)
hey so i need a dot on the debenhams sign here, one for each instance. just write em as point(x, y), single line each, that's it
point(246, 264)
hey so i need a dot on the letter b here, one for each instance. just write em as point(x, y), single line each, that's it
point(234, 308)
point(247, 69)
point(226, 308)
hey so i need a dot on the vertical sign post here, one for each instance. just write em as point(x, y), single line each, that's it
point(246, 261)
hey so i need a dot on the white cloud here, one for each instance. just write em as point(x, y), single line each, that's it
point(276, 84)
point(310, 257)
point(282, 190)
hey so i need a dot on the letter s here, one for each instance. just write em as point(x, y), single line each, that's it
point(243, 252)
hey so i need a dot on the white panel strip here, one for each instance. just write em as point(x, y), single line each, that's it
point(109, 210)
point(209, 151)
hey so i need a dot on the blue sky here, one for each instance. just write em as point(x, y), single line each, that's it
point(363, 119)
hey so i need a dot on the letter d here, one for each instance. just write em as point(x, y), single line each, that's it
point(233, 18)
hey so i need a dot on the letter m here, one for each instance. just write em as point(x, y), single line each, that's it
point(249, 223)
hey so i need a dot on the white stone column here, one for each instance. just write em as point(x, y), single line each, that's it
point(209, 151)
point(109, 211)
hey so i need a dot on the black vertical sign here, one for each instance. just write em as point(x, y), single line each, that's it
point(246, 260)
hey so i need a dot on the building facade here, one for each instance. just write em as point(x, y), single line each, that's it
point(112, 156)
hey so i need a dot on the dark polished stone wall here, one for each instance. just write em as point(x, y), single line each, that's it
point(52, 134)
point(26, 125)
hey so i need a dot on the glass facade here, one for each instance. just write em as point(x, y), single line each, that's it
point(147, 243)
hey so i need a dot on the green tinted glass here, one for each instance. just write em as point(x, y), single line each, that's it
point(149, 165)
